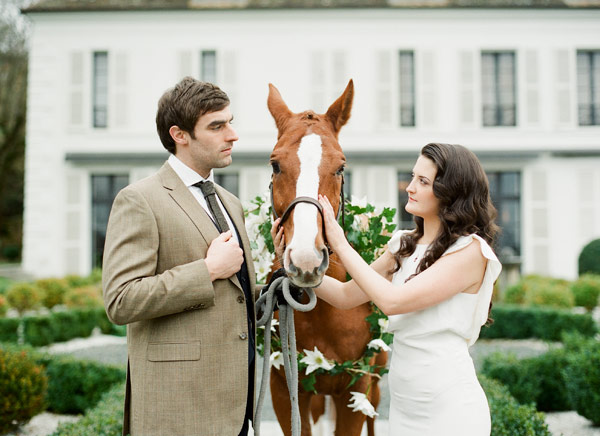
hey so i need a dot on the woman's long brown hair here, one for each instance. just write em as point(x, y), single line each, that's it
point(465, 206)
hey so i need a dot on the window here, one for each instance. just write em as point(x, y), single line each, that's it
point(588, 87)
point(405, 218)
point(100, 89)
point(208, 66)
point(104, 191)
point(505, 190)
point(498, 89)
point(229, 181)
point(407, 88)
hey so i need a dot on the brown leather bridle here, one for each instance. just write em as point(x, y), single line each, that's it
point(314, 202)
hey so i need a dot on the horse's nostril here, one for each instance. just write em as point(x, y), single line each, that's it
point(324, 264)
point(292, 270)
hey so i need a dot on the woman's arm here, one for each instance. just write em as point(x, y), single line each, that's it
point(449, 275)
point(346, 295)
point(343, 295)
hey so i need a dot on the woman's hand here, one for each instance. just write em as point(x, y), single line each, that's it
point(335, 234)
point(278, 240)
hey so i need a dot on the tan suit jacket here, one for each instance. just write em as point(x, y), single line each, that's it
point(187, 337)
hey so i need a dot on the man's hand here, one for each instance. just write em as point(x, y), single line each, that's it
point(224, 257)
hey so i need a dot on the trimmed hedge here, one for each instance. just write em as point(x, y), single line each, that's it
point(74, 385)
point(518, 322)
point(58, 326)
point(77, 385)
point(561, 379)
point(106, 419)
point(509, 418)
point(582, 378)
point(536, 380)
point(589, 258)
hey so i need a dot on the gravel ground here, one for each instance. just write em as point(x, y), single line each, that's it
point(112, 349)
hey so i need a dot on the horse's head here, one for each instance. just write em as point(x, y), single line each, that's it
point(307, 160)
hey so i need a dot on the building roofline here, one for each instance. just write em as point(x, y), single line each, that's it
point(49, 6)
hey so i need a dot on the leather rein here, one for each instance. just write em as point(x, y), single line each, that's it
point(314, 202)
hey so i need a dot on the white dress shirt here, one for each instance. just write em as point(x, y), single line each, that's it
point(190, 177)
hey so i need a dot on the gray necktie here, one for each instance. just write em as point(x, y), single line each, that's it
point(208, 190)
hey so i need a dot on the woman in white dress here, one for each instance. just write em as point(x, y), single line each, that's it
point(435, 283)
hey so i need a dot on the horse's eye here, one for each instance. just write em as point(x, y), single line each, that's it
point(340, 171)
point(276, 169)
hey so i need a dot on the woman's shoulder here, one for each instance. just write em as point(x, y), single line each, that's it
point(394, 242)
point(467, 241)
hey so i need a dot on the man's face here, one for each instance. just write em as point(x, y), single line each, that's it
point(212, 143)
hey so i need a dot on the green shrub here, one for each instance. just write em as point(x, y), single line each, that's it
point(53, 291)
point(582, 378)
point(95, 277)
point(22, 388)
point(23, 296)
point(546, 291)
point(535, 380)
point(5, 283)
point(84, 296)
point(76, 385)
point(514, 294)
point(59, 326)
point(586, 291)
point(3, 305)
point(509, 418)
point(106, 419)
point(589, 258)
point(519, 322)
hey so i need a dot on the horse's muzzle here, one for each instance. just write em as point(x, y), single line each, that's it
point(306, 277)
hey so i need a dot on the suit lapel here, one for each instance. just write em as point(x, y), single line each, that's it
point(186, 201)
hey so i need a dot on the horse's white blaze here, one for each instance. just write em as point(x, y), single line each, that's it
point(303, 253)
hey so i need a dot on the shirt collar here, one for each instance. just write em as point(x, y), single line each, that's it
point(187, 175)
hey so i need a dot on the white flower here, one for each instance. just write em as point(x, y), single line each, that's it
point(360, 403)
point(378, 344)
point(315, 360)
point(384, 323)
point(274, 322)
point(276, 359)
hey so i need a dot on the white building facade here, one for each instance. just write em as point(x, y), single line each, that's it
point(520, 86)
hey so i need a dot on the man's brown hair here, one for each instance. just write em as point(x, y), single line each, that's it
point(184, 104)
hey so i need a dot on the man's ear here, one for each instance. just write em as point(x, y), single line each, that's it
point(180, 137)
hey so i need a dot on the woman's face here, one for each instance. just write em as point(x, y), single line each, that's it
point(421, 201)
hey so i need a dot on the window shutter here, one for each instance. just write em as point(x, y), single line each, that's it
point(384, 113)
point(532, 93)
point(226, 72)
point(339, 76)
point(538, 225)
point(121, 85)
point(318, 81)
point(74, 223)
point(76, 104)
point(563, 87)
point(467, 88)
point(426, 85)
point(185, 63)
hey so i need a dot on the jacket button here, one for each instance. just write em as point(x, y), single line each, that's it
point(243, 336)
point(240, 299)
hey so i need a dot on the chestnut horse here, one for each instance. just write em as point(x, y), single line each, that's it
point(308, 160)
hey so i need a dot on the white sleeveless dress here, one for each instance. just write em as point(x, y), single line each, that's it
point(434, 390)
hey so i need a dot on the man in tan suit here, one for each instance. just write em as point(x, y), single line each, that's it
point(178, 271)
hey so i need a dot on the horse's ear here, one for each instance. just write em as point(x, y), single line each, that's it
point(339, 112)
point(278, 108)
